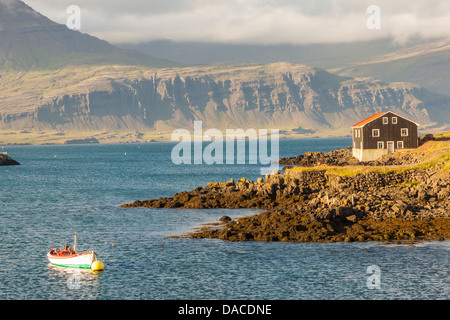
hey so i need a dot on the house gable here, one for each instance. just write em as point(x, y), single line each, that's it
point(365, 121)
point(377, 116)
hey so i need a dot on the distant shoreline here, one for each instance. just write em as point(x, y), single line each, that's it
point(11, 138)
point(53, 137)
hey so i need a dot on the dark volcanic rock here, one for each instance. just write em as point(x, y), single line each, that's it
point(7, 161)
point(426, 137)
point(341, 157)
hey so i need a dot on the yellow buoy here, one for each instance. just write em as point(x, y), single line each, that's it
point(97, 266)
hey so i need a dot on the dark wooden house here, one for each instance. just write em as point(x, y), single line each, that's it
point(383, 133)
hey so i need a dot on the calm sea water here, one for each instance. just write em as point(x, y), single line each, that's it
point(60, 190)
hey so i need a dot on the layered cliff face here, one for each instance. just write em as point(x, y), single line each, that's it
point(280, 95)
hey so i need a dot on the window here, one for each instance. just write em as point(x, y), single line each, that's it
point(404, 132)
point(359, 133)
point(375, 132)
point(380, 145)
point(399, 144)
point(394, 120)
point(385, 120)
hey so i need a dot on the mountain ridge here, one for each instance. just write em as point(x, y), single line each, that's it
point(29, 40)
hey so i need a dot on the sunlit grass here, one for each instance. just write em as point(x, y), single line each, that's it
point(442, 135)
point(435, 153)
point(344, 171)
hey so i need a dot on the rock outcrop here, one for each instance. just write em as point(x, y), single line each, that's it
point(5, 160)
point(341, 157)
point(318, 205)
point(410, 194)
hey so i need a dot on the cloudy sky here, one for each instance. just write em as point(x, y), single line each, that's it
point(252, 21)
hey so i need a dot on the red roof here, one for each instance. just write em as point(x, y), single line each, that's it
point(375, 116)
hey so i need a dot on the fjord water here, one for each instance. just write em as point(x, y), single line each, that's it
point(60, 190)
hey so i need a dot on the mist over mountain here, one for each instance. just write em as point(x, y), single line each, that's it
point(29, 40)
point(324, 56)
point(425, 62)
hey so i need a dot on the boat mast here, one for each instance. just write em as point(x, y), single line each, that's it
point(75, 243)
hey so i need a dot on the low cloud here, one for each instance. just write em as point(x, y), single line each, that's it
point(252, 21)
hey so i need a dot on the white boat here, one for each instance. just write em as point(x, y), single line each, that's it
point(72, 260)
point(68, 257)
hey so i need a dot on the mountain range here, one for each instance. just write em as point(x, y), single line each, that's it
point(53, 78)
point(279, 95)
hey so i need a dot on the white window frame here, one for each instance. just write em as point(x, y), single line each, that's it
point(380, 143)
point(401, 132)
point(385, 120)
point(377, 131)
point(400, 145)
point(394, 120)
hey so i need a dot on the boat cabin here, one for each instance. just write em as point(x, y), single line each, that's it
point(62, 252)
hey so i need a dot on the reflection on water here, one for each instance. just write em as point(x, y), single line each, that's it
point(81, 283)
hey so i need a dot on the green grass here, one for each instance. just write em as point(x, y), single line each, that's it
point(344, 171)
point(437, 152)
point(407, 183)
point(443, 135)
point(446, 167)
point(445, 158)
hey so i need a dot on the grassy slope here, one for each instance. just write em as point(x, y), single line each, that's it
point(429, 154)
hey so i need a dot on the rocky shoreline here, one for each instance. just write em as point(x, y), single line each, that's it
point(318, 205)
